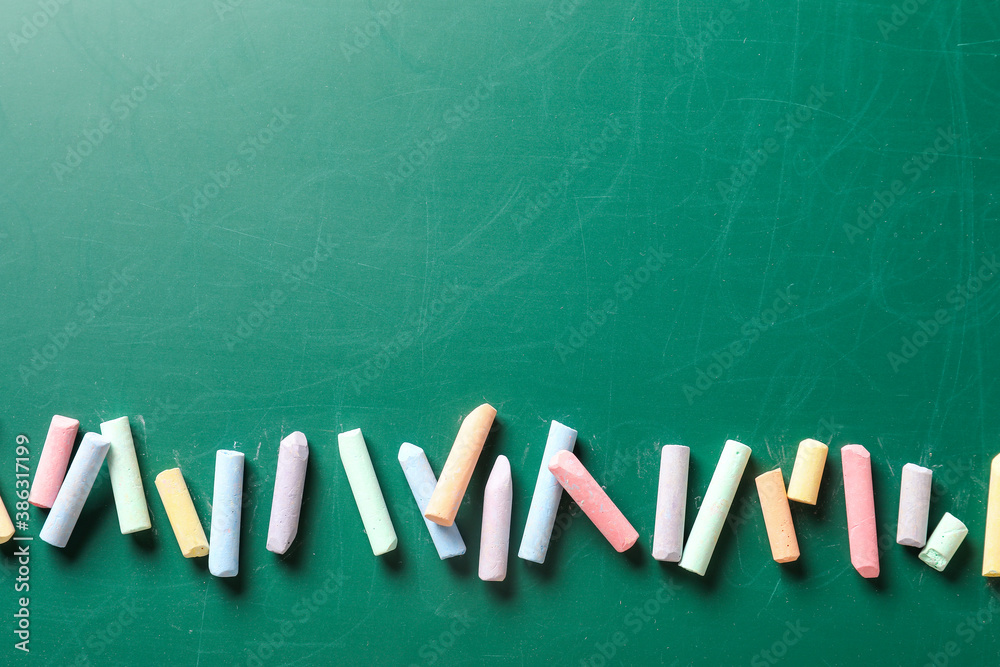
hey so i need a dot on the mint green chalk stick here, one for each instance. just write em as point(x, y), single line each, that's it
point(367, 492)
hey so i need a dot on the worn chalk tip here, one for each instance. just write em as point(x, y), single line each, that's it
point(499, 479)
point(409, 452)
point(667, 556)
point(856, 450)
point(170, 472)
point(910, 542)
point(224, 572)
point(560, 459)
point(867, 570)
point(295, 443)
point(385, 548)
point(195, 552)
point(738, 446)
point(482, 411)
point(61, 422)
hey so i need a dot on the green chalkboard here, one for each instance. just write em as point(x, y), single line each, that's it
point(654, 222)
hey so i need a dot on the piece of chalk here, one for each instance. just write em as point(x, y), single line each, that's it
point(6, 527)
point(777, 517)
point(944, 542)
point(181, 513)
point(495, 542)
point(74, 490)
point(803, 485)
point(860, 498)
point(458, 468)
point(289, 482)
point(419, 475)
point(367, 492)
point(991, 542)
point(126, 483)
point(714, 509)
point(914, 505)
point(592, 499)
point(54, 460)
point(545, 499)
point(227, 514)
point(671, 503)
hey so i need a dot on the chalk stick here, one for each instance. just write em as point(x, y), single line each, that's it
point(671, 503)
point(944, 542)
point(991, 542)
point(420, 477)
point(714, 509)
point(495, 540)
point(860, 498)
point(54, 460)
point(803, 485)
point(181, 513)
point(592, 499)
point(289, 482)
point(914, 505)
point(227, 514)
point(777, 517)
point(457, 471)
point(74, 490)
point(126, 483)
point(6, 526)
point(367, 492)
point(545, 499)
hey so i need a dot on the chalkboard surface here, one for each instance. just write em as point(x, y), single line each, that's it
point(654, 222)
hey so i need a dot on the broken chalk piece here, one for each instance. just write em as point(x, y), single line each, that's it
point(227, 513)
point(74, 490)
point(803, 485)
point(181, 513)
point(860, 498)
point(458, 468)
point(715, 507)
point(777, 517)
point(6, 527)
point(419, 475)
point(595, 503)
point(495, 542)
point(123, 466)
point(54, 460)
point(944, 542)
point(671, 503)
point(545, 499)
point(914, 505)
point(289, 482)
point(367, 492)
point(991, 543)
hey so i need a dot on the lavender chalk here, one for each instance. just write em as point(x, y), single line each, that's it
point(495, 541)
point(914, 505)
point(671, 503)
point(289, 479)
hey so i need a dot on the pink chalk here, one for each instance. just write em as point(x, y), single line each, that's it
point(860, 497)
point(592, 499)
point(53, 462)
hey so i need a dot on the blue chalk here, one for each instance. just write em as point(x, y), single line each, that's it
point(227, 508)
point(545, 500)
point(419, 475)
point(74, 490)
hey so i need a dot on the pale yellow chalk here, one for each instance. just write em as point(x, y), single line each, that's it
point(991, 544)
point(6, 527)
point(457, 471)
point(182, 514)
point(803, 486)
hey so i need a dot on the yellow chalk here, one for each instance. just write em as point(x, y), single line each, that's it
point(457, 471)
point(991, 545)
point(180, 510)
point(6, 527)
point(803, 486)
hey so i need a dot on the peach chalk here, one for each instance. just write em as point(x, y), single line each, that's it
point(991, 543)
point(592, 499)
point(495, 543)
point(777, 517)
point(860, 498)
point(6, 527)
point(810, 459)
point(457, 471)
point(53, 462)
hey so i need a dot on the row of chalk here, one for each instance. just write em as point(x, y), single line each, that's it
point(65, 492)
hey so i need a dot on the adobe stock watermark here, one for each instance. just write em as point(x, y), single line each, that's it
point(637, 618)
point(579, 161)
point(958, 299)
point(900, 15)
point(121, 108)
point(624, 290)
point(913, 169)
point(709, 32)
point(32, 23)
point(99, 641)
point(750, 332)
point(432, 650)
point(87, 312)
point(785, 127)
point(364, 34)
point(263, 309)
point(454, 118)
point(249, 150)
point(777, 651)
point(415, 328)
point(966, 632)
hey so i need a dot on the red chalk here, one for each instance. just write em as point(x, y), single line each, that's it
point(860, 497)
point(592, 499)
point(53, 462)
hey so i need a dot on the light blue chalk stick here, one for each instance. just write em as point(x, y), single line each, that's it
point(419, 475)
point(227, 509)
point(75, 488)
point(545, 500)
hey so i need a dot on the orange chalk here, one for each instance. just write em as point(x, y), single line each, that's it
point(457, 471)
point(777, 517)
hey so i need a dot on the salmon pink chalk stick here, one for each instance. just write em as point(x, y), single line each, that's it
point(860, 497)
point(54, 461)
point(592, 499)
